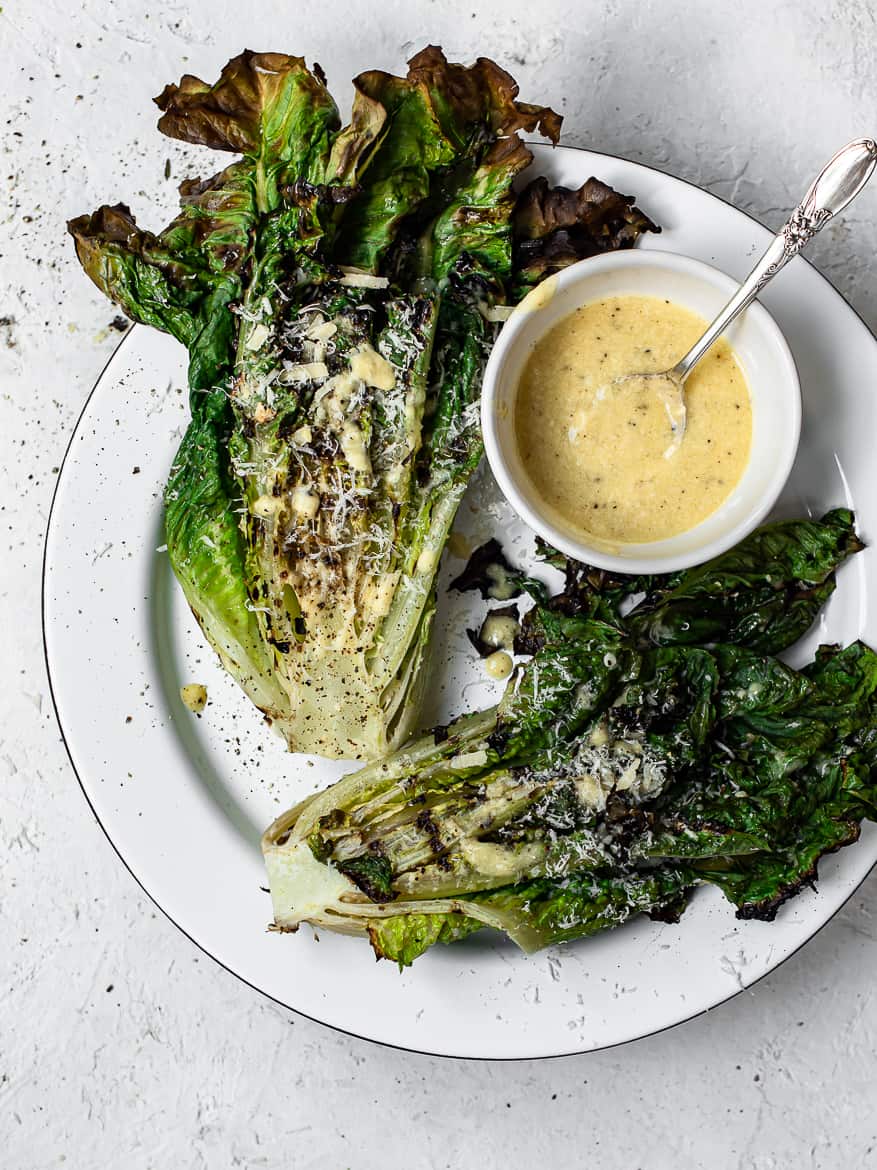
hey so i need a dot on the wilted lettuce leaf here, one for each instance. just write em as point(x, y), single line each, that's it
point(764, 594)
point(151, 283)
point(538, 914)
point(579, 666)
point(267, 106)
point(448, 154)
point(785, 784)
point(403, 938)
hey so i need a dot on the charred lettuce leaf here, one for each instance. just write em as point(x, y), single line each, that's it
point(790, 778)
point(615, 775)
point(269, 107)
point(555, 227)
point(330, 285)
point(764, 594)
point(489, 572)
point(155, 283)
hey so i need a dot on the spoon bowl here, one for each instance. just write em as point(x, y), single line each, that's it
point(668, 385)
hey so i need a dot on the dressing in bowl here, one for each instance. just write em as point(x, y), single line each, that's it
point(595, 466)
point(598, 445)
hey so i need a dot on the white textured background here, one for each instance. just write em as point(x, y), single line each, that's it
point(120, 1044)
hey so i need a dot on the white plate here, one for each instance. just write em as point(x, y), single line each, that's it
point(184, 800)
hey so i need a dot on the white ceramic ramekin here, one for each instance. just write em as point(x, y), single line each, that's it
point(760, 348)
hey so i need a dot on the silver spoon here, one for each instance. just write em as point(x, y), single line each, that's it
point(836, 185)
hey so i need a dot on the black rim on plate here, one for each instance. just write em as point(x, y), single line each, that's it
point(273, 998)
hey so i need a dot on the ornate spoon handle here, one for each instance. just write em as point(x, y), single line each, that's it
point(839, 181)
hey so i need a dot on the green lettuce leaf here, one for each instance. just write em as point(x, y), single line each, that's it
point(405, 937)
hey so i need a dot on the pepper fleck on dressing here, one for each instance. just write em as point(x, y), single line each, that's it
point(603, 457)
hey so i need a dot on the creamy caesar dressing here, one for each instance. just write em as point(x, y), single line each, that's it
point(194, 695)
point(498, 664)
point(603, 456)
point(499, 630)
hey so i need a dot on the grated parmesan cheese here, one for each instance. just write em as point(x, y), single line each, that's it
point(495, 314)
point(306, 372)
point(321, 331)
point(468, 760)
point(257, 338)
point(357, 278)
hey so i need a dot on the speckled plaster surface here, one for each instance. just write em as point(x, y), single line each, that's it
point(121, 1044)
